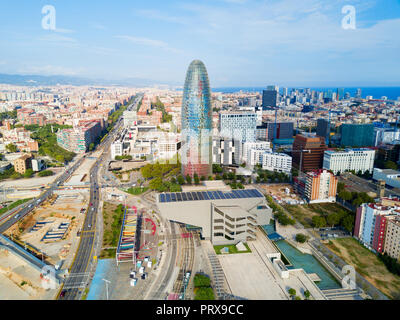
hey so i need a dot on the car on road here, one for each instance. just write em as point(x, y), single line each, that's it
point(89, 226)
point(17, 216)
point(141, 270)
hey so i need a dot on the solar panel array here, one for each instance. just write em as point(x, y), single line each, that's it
point(209, 195)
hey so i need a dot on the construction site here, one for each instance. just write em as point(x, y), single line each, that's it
point(282, 193)
point(51, 232)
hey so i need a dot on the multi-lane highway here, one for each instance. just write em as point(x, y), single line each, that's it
point(79, 272)
point(38, 201)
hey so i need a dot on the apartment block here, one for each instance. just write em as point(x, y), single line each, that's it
point(317, 186)
point(23, 163)
point(392, 240)
point(349, 160)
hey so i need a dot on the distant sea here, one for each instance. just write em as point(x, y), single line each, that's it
point(392, 93)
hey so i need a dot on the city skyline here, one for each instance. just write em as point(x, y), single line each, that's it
point(283, 42)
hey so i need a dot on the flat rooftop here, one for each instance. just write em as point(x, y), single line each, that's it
point(208, 195)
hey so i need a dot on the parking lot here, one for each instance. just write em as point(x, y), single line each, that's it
point(333, 233)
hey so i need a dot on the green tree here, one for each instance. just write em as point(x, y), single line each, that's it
point(345, 195)
point(307, 294)
point(301, 238)
point(196, 179)
point(12, 148)
point(217, 168)
point(333, 219)
point(28, 173)
point(319, 222)
point(292, 292)
point(348, 223)
point(156, 183)
point(91, 147)
point(181, 180)
point(146, 172)
point(189, 179)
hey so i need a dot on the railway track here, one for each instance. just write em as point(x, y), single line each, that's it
point(186, 260)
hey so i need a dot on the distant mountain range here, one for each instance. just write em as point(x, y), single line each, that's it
point(38, 80)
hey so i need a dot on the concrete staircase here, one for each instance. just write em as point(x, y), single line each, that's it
point(342, 294)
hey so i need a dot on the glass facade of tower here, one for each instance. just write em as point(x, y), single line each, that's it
point(196, 122)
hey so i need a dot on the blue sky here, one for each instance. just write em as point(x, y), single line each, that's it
point(242, 42)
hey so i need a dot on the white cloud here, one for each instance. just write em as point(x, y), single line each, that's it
point(48, 70)
point(148, 42)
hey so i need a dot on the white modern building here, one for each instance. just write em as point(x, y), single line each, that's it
point(38, 165)
point(385, 135)
point(348, 160)
point(223, 217)
point(130, 118)
point(248, 146)
point(238, 125)
point(279, 162)
point(169, 145)
point(226, 151)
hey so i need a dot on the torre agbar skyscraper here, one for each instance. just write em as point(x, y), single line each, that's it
point(196, 122)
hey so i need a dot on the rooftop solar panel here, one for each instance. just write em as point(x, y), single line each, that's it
point(209, 195)
point(162, 197)
point(216, 195)
point(247, 193)
point(229, 195)
point(205, 195)
point(221, 194)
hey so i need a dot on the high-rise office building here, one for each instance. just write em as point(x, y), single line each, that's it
point(270, 97)
point(238, 125)
point(357, 135)
point(340, 94)
point(196, 122)
point(323, 129)
point(358, 93)
point(268, 131)
point(309, 150)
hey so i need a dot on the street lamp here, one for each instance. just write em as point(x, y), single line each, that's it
point(107, 283)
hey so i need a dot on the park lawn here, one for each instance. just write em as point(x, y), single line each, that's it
point(112, 223)
point(232, 249)
point(367, 264)
point(137, 191)
point(305, 213)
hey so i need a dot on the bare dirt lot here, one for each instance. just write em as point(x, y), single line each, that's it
point(282, 192)
point(368, 265)
point(64, 209)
